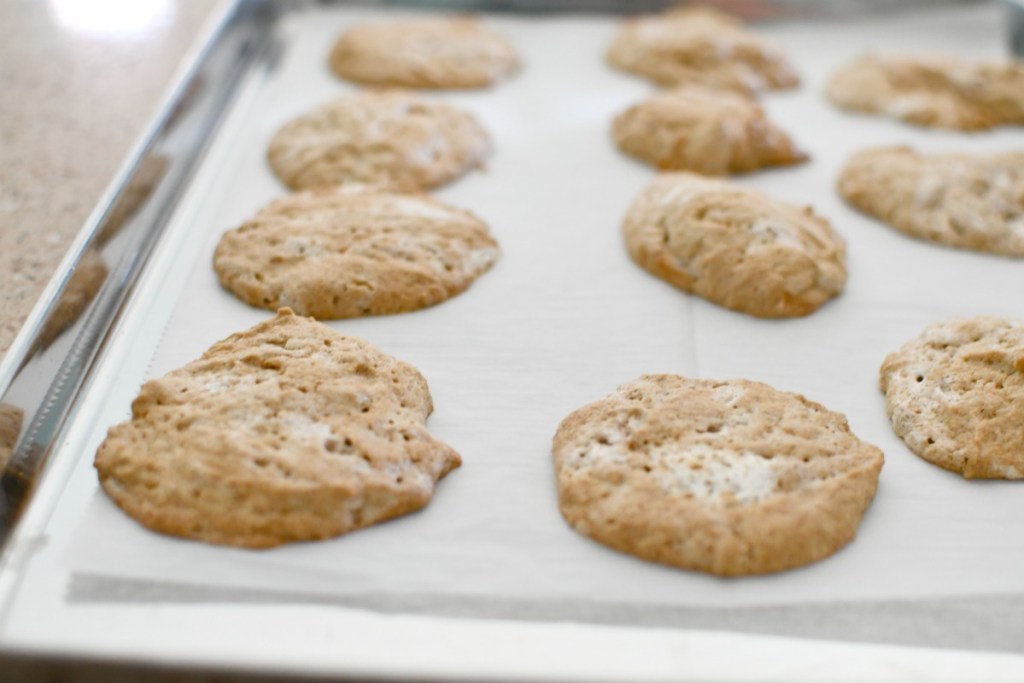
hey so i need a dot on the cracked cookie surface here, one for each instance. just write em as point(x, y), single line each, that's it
point(424, 53)
point(955, 395)
point(731, 478)
point(384, 137)
point(286, 432)
point(967, 201)
point(707, 131)
point(700, 46)
point(735, 246)
point(932, 90)
point(354, 251)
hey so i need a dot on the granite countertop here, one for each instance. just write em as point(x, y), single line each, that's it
point(80, 82)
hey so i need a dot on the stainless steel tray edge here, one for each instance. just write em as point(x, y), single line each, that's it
point(43, 371)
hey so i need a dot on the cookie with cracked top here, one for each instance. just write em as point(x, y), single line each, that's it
point(389, 137)
point(288, 431)
point(706, 131)
point(735, 246)
point(354, 251)
point(435, 52)
point(701, 46)
point(966, 201)
point(731, 478)
point(955, 395)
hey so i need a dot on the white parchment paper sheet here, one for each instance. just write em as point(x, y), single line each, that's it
point(565, 317)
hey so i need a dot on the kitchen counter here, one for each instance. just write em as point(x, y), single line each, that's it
point(80, 81)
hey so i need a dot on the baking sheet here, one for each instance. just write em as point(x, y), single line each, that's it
point(565, 317)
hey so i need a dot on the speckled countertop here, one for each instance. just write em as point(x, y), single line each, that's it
point(80, 81)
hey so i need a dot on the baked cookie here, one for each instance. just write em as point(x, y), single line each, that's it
point(735, 246)
point(354, 251)
point(706, 131)
point(955, 395)
point(390, 137)
point(424, 53)
point(288, 431)
point(730, 478)
point(701, 46)
point(85, 283)
point(968, 201)
point(10, 429)
point(943, 92)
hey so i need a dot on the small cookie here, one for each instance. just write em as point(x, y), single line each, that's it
point(955, 395)
point(391, 138)
point(424, 53)
point(288, 431)
point(942, 92)
point(968, 201)
point(83, 286)
point(735, 246)
point(354, 251)
point(731, 478)
point(701, 46)
point(10, 429)
point(707, 131)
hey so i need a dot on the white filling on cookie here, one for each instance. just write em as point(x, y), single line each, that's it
point(716, 474)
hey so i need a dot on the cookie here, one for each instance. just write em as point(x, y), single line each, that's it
point(967, 201)
point(731, 478)
point(735, 246)
point(701, 46)
point(935, 91)
point(955, 395)
point(424, 53)
point(82, 288)
point(707, 131)
point(288, 431)
point(391, 138)
point(11, 418)
point(354, 251)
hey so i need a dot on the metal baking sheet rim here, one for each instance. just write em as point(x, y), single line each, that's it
point(28, 665)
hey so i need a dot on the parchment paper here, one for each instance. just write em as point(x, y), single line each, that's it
point(565, 317)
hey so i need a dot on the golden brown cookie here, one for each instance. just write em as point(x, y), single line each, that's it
point(968, 201)
point(701, 46)
point(707, 131)
point(730, 478)
point(943, 92)
point(424, 53)
point(385, 137)
point(11, 417)
point(354, 251)
point(288, 431)
point(735, 246)
point(955, 395)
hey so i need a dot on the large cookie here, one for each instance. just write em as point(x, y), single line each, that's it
point(943, 92)
point(969, 201)
point(351, 251)
point(288, 431)
point(424, 53)
point(735, 246)
point(730, 478)
point(389, 137)
point(703, 47)
point(707, 131)
point(955, 395)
